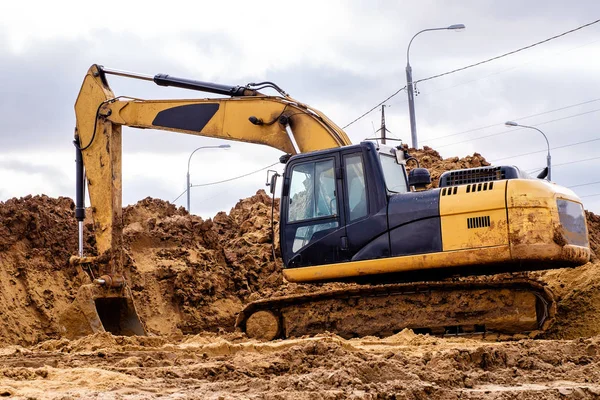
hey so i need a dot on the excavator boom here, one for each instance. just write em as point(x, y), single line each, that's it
point(249, 116)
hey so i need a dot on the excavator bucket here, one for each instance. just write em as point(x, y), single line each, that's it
point(99, 309)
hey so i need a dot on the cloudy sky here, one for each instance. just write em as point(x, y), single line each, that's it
point(341, 57)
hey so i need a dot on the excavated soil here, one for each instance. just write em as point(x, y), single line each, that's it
point(208, 366)
point(190, 277)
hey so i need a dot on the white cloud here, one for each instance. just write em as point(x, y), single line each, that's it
point(341, 57)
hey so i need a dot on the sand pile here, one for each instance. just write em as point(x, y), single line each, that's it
point(433, 161)
point(190, 275)
point(187, 275)
point(193, 275)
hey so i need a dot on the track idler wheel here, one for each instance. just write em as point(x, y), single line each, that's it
point(263, 325)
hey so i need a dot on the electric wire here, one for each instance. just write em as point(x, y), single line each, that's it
point(545, 150)
point(509, 53)
point(518, 128)
point(177, 198)
point(516, 119)
point(590, 195)
point(584, 184)
point(237, 177)
point(372, 109)
point(565, 163)
point(497, 72)
point(225, 180)
point(471, 66)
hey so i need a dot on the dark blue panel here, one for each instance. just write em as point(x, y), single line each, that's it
point(414, 220)
point(191, 117)
point(422, 236)
point(378, 248)
point(406, 207)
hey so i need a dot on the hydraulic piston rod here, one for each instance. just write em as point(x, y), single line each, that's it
point(79, 194)
point(184, 83)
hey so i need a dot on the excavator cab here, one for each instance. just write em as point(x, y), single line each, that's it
point(333, 203)
point(352, 212)
point(347, 212)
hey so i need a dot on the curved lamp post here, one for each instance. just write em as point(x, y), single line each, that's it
point(409, 82)
point(222, 146)
point(548, 159)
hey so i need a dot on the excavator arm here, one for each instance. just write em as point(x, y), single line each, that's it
point(247, 116)
point(280, 122)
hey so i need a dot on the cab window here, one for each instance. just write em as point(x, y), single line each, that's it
point(394, 174)
point(312, 195)
point(312, 191)
point(355, 186)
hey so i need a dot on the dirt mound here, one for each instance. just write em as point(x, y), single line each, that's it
point(38, 234)
point(187, 275)
point(593, 223)
point(433, 161)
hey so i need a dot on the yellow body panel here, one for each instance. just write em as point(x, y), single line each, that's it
point(447, 259)
point(482, 202)
point(534, 219)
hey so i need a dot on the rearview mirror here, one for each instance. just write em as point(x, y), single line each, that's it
point(272, 181)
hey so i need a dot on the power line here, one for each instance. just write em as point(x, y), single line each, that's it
point(545, 150)
point(516, 119)
point(566, 163)
point(584, 184)
point(575, 162)
point(499, 72)
point(590, 195)
point(471, 66)
point(177, 198)
point(517, 129)
point(379, 104)
point(509, 53)
point(237, 177)
point(225, 180)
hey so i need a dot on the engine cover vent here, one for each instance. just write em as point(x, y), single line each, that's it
point(478, 222)
point(449, 191)
point(480, 187)
point(480, 175)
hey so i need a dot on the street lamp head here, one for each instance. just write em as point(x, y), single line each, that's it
point(511, 123)
point(224, 146)
point(457, 27)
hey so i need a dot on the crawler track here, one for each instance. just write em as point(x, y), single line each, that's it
point(504, 306)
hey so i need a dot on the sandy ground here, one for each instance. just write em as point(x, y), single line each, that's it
point(208, 366)
point(190, 277)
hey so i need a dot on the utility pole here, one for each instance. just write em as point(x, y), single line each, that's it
point(383, 129)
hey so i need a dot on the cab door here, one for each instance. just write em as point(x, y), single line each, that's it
point(312, 224)
point(365, 207)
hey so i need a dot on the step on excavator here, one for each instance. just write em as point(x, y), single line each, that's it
point(448, 260)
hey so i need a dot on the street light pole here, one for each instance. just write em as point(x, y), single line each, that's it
point(548, 158)
point(188, 184)
point(409, 82)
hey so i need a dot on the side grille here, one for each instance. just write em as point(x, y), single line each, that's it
point(478, 187)
point(474, 175)
point(478, 222)
point(449, 191)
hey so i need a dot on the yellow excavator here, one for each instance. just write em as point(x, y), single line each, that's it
point(449, 260)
